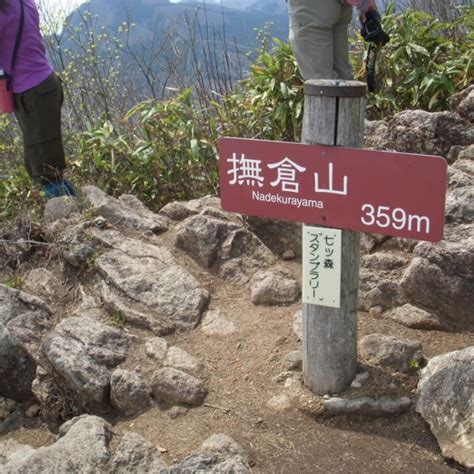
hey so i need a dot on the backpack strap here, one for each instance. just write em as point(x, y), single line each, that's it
point(18, 36)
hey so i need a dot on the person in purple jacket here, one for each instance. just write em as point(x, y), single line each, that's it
point(38, 96)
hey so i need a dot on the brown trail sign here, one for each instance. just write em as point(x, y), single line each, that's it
point(382, 192)
point(331, 181)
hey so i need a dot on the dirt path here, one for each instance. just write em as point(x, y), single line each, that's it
point(240, 371)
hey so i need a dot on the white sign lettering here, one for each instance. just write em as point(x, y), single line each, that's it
point(287, 175)
point(398, 218)
point(330, 189)
point(245, 170)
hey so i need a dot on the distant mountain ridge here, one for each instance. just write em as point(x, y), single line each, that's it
point(275, 6)
point(238, 20)
point(172, 46)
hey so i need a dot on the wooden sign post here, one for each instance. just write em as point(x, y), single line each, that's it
point(330, 181)
point(334, 115)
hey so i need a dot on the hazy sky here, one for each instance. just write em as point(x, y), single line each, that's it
point(66, 4)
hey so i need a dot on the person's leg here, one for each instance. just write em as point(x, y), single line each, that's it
point(38, 112)
point(342, 65)
point(311, 36)
point(22, 119)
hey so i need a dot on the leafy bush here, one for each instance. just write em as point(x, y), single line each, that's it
point(425, 62)
point(179, 143)
point(274, 91)
point(17, 194)
point(167, 154)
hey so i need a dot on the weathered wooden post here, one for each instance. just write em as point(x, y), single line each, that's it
point(334, 115)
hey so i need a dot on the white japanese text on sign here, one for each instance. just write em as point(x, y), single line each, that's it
point(321, 266)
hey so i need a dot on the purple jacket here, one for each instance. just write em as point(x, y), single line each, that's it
point(31, 66)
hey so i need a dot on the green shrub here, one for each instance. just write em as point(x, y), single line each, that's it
point(15, 281)
point(274, 92)
point(169, 153)
point(18, 195)
point(425, 62)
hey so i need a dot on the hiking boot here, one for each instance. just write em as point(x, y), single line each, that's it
point(58, 188)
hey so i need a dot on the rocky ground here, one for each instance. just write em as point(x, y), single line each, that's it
point(170, 342)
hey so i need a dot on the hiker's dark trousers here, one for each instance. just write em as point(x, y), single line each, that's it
point(38, 111)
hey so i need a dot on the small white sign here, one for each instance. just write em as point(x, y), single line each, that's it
point(322, 266)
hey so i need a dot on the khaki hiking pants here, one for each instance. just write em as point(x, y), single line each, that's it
point(38, 112)
point(318, 36)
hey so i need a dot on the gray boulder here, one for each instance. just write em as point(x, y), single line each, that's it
point(458, 233)
point(440, 279)
point(457, 178)
point(174, 386)
point(132, 247)
point(126, 212)
point(136, 455)
point(201, 237)
point(281, 237)
point(224, 445)
point(367, 406)
point(212, 464)
point(375, 134)
point(139, 315)
point(219, 240)
point(446, 402)
point(129, 392)
point(383, 261)
point(214, 323)
point(155, 284)
point(181, 360)
point(241, 255)
point(293, 360)
point(414, 317)
point(88, 307)
point(274, 287)
point(391, 352)
point(177, 211)
point(156, 348)
point(460, 205)
point(7, 406)
point(12, 452)
point(24, 319)
point(83, 353)
point(383, 243)
point(463, 103)
point(379, 286)
point(26, 316)
point(378, 293)
point(43, 283)
point(418, 131)
point(200, 204)
point(465, 160)
point(17, 368)
point(59, 208)
point(82, 448)
point(368, 242)
point(76, 246)
point(217, 454)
